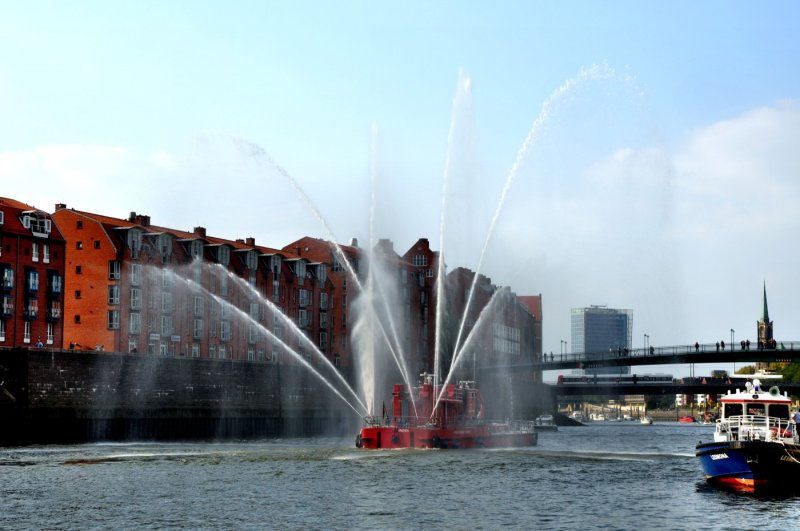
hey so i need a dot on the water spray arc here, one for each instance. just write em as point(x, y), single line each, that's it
point(258, 152)
point(198, 288)
point(533, 134)
point(248, 288)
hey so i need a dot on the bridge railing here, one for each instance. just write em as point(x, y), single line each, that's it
point(697, 348)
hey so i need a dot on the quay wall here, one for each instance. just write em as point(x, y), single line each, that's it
point(64, 396)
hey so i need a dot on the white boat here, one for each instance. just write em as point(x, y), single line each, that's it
point(756, 445)
point(646, 420)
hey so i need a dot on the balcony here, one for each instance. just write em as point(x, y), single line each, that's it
point(30, 314)
point(53, 314)
point(7, 310)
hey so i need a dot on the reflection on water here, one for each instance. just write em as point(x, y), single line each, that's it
point(620, 476)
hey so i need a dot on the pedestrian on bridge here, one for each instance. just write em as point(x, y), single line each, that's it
point(717, 346)
point(696, 346)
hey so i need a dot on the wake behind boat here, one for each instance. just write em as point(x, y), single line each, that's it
point(756, 444)
point(457, 421)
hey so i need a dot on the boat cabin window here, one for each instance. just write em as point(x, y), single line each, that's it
point(756, 409)
point(779, 410)
point(732, 409)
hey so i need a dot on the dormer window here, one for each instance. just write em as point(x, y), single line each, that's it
point(300, 269)
point(165, 247)
point(135, 242)
point(322, 273)
point(252, 260)
point(38, 224)
point(223, 255)
point(196, 249)
point(2, 217)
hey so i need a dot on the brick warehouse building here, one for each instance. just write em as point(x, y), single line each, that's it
point(109, 287)
point(122, 296)
point(32, 273)
point(509, 335)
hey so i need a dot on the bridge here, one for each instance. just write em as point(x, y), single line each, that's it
point(669, 355)
point(678, 354)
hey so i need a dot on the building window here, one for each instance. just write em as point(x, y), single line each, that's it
point(136, 274)
point(50, 334)
point(222, 352)
point(323, 340)
point(420, 260)
point(197, 329)
point(35, 252)
point(167, 304)
point(166, 325)
point(79, 245)
point(114, 269)
point(77, 319)
point(113, 294)
point(26, 337)
point(198, 306)
point(97, 244)
point(225, 330)
point(46, 253)
point(195, 350)
point(135, 325)
point(2, 329)
point(78, 270)
point(113, 319)
point(251, 354)
point(136, 298)
point(133, 345)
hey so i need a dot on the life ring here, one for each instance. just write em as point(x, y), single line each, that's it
point(359, 442)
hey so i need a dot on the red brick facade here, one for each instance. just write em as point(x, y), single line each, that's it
point(31, 277)
point(126, 285)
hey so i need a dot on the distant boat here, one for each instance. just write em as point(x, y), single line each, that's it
point(646, 420)
point(686, 419)
point(545, 423)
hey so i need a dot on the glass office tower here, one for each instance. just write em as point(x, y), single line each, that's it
point(598, 330)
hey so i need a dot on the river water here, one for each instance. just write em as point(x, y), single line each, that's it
point(602, 476)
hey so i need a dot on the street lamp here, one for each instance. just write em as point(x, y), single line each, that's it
point(732, 331)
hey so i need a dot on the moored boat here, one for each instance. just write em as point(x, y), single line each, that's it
point(755, 445)
point(455, 422)
point(545, 423)
point(647, 419)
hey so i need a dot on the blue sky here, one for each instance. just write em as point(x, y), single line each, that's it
point(667, 183)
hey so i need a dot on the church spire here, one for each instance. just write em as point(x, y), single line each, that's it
point(765, 311)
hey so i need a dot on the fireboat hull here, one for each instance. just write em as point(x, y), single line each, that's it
point(750, 466)
point(487, 435)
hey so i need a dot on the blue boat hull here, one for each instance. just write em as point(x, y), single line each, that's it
point(750, 466)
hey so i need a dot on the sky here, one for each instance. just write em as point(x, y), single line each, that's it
point(639, 155)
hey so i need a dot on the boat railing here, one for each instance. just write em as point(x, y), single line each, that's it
point(757, 427)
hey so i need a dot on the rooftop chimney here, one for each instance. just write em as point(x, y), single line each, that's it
point(353, 242)
point(250, 241)
point(200, 231)
point(61, 206)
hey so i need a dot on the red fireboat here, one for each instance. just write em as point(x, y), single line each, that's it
point(457, 422)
